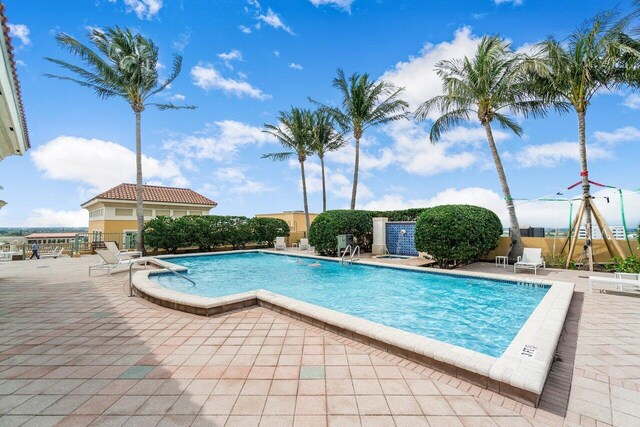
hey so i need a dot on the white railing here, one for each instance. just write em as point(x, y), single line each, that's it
point(351, 253)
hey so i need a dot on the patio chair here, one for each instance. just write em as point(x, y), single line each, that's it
point(280, 244)
point(111, 262)
point(53, 254)
point(531, 259)
point(113, 248)
point(304, 244)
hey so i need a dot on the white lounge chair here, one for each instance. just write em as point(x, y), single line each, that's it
point(621, 282)
point(111, 262)
point(304, 244)
point(53, 254)
point(113, 248)
point(280, 244)
point(531, 259)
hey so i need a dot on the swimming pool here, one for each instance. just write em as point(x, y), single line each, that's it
point(477, 314)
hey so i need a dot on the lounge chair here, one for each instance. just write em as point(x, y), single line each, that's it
point(532, 259)
point(111, 262)
point(113, 248)
point(280, 244)
point(53, 254)
point(622, 282)
point(304, 245)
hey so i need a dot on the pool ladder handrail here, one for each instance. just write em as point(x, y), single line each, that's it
point(146, 260)
point(351, 254)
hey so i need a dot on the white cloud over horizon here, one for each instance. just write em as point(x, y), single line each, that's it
point(344, 5)
point(555, 153)
point(45, 217)
point(99, 165)
point(207, 77)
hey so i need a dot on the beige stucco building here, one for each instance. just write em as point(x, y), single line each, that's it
point(296, 221)
point(112, 214)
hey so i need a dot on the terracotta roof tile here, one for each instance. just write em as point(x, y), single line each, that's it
point(14, 72)
point(153, 193)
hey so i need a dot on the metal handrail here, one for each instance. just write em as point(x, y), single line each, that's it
point(344, 253)
point(357, 249)
point(146, 260)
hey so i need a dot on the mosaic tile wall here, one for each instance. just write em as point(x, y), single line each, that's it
point(406, 244)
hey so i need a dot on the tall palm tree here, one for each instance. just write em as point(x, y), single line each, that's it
point(124, 65)
point(575, 71)
point(365, 103)
point(485, 87)
point(294, 133)
point(325, 138)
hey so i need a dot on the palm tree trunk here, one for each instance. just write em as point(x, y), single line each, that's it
point(304, 195)
point(324, 188)
point(139, 203)
point(586, 188)
point(355, 175)
point(516, 239)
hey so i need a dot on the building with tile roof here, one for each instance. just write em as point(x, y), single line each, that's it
point(112, 214)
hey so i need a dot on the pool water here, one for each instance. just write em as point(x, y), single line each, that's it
point(478, 314)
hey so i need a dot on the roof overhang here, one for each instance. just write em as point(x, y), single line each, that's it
point(94, 201)
point(14, 139)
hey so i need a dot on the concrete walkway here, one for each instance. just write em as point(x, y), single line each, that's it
point(75, 350)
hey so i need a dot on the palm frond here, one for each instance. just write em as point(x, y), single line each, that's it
point(171, 106)
point(278, 157)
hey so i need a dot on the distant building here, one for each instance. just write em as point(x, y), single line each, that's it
point(52, 238)
point(112, 214)
point(617, 230)
point(296, 221)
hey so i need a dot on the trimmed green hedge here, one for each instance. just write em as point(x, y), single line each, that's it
point(327, 225)
point(209, 231)
point(457, 234)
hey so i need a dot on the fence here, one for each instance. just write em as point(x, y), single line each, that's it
point(82, 243)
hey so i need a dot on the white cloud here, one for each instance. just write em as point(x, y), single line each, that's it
point(276, 53)
point(144, 9)
point(21, 32)
point(99, 164)
point(632, 101)
point(177, 97)
point(273, 20)
point(338, 4)
point(625, 134)
point(244, 29)
point(229, 57)
point(44, 217)
point(295, 66)
point(514, 2)
point(220, 141)
point(555, 153)
point(208, 78)
point(240, 183)
point(182, 41)
point(418, 75)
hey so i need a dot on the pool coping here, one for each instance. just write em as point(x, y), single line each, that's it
point(517, 373)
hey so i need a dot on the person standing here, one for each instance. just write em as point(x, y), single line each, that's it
point(34, 250)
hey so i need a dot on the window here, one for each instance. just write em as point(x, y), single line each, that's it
point(163, 212)
point(178, 214)
point(96, 213)
point(148, 212)
point(124, 212)
point(195, 212)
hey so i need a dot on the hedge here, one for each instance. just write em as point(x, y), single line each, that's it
point(209, 231)
point(457, 234)
point(327, 225)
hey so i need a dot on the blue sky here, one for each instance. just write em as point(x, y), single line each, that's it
point(244, 61)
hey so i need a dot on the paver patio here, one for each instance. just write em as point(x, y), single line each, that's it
point(76, 350)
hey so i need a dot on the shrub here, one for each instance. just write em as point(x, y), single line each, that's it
point(265, 230)
point(457, 234)
point(631, 264)
point(327, 225)
point(166, 233)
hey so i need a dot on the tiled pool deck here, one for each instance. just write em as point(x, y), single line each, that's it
point(75, 350)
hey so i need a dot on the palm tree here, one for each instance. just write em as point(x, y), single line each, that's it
point(575, 71)
point(123, 65)
point(325, 138)
point(365, 104)
point(294, 133)
point(485, 87)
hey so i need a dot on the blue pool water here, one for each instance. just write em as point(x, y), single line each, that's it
point(477, 314)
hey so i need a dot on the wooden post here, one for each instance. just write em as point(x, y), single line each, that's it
point(576, 230)
point(573, 226)
point(604, 227)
